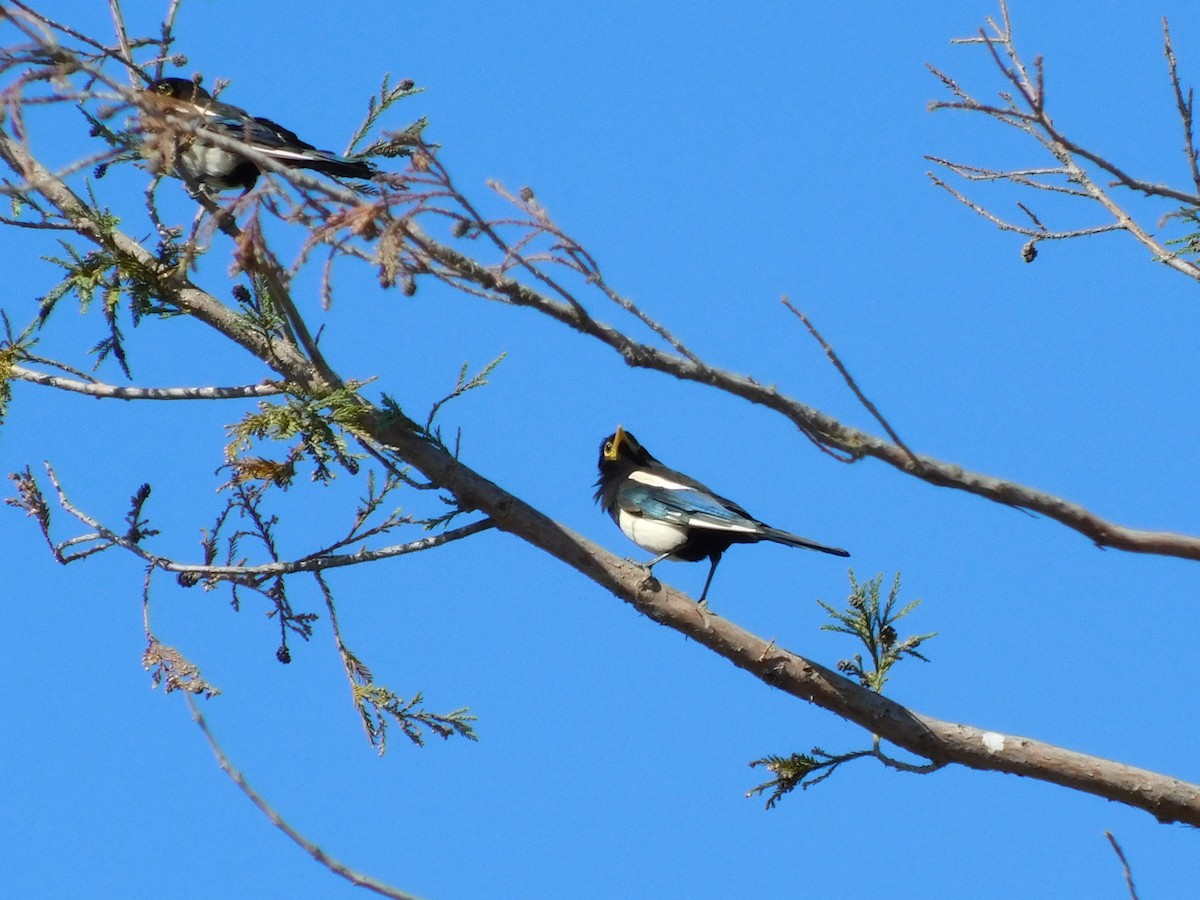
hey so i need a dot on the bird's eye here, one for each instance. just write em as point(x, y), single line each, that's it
point(608, 448)
point(164, 89)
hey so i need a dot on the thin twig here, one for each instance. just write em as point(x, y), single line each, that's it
point(337, 868)
point(129, 392)
point(108, 538)
point(1124, 865)
point(1004, 225)
point(1024, 177)
point(119, 26)
point(330, 561)
point(900, 765)
point(49, 23)
point(597, 279)
point(1033, 217)
point(849, 379)
point(1183, 104)
point(167, 37)
point(146, 603)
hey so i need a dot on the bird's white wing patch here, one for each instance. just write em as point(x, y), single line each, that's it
point(286, 153)
point(714, 524)
point(650, 479)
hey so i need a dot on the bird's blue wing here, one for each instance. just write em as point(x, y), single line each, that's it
point(683, 505)
point(235, 122)
point(261, 133)
point(286, 146)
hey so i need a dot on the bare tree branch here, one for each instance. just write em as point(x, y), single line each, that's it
point(1041, 233)
point(1031, 117)
point(1184, 105)
point(130, 392)
point(849, 379)
point(1126, 871)
point(102, 538)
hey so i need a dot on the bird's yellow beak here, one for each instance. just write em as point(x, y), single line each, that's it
point(613, 450)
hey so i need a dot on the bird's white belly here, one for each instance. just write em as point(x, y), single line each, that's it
point(655, 536)
point(204, 163)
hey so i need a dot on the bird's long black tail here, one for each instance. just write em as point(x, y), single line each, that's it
point(286, 147)
point(339, 166)
point(794, 540)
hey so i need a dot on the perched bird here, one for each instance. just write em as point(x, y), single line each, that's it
point(675, 516)
point(186, 153)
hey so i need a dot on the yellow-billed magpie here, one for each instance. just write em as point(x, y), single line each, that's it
point(675, 516)
point(220, 168)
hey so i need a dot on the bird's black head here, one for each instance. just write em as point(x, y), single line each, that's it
point(179, 89)
point(620, 450)
point(620, 453)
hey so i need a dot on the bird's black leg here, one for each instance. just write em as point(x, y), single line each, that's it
point(654, 562)
point(716, 558)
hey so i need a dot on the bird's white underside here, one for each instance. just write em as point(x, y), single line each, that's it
point(652, 535)
point(200, 162)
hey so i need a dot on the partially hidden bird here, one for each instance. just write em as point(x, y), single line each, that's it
point(184, 152)
point(677, 517)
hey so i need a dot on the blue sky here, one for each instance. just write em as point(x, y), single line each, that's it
point(712, 157)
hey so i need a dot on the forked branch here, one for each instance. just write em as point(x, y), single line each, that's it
point(1077, 167)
